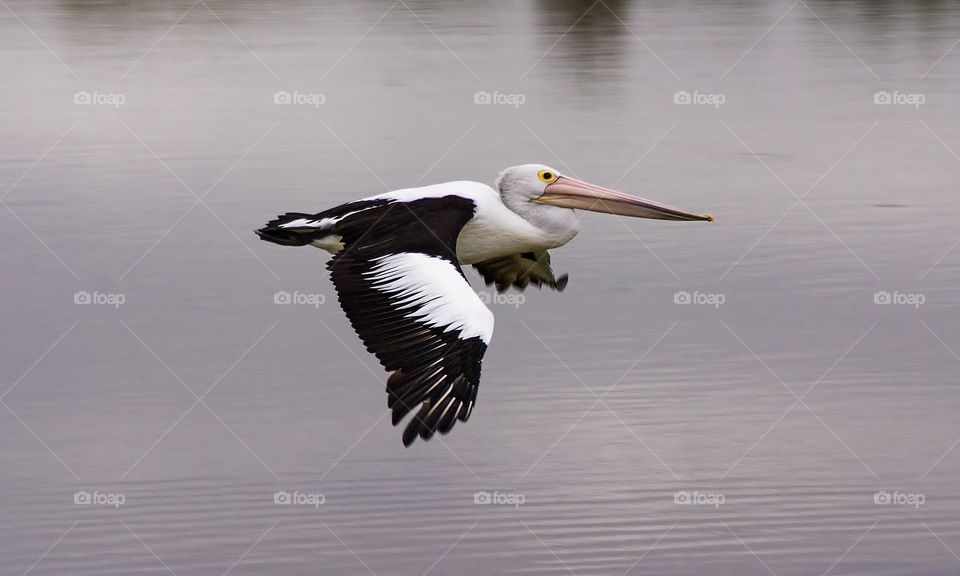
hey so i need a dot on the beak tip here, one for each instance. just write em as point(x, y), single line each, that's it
point(708, 217)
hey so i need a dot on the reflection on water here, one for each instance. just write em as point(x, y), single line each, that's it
point(773, 393)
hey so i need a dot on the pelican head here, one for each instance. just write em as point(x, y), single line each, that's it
point(542, 192)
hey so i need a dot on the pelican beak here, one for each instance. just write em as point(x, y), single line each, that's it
point(570, 193)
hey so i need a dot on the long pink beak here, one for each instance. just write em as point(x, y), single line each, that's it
point(571, 193)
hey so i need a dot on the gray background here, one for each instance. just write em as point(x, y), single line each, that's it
point(796, 400)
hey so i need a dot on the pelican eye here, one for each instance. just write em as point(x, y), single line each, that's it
point(547, 176)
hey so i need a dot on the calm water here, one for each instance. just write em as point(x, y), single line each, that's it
point(783, 401)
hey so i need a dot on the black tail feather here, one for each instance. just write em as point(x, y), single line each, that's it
point(290, 236)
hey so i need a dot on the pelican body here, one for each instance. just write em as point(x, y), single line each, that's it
point(396, 267)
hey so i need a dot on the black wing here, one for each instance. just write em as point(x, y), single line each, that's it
point(400, 285)
point(518, 270)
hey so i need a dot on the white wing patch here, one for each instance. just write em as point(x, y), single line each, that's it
point(435, 291)
point(321, 223)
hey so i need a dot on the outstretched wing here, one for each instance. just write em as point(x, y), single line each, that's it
point(519, 270)
point(399, 283)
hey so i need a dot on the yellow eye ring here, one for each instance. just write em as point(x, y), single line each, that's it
point(547, 176)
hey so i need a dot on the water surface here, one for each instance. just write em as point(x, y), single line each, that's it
point(785, 412)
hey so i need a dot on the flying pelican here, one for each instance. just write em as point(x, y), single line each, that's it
point(396, 267)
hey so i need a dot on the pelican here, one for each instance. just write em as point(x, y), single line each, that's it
point(396, 267)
